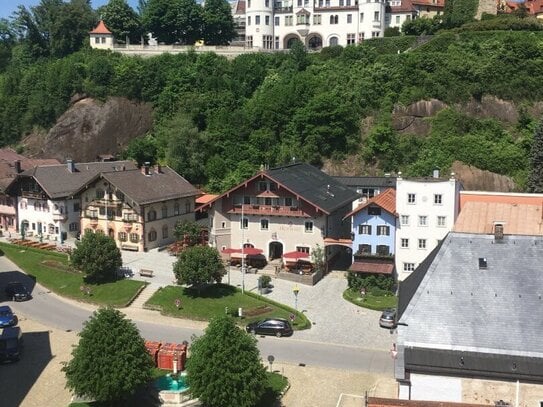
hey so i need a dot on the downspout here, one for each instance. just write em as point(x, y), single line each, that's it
point(142, 214)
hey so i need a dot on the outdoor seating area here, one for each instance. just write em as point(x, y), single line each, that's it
point(37, 245)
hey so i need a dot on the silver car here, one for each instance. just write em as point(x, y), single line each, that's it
point(388, 318)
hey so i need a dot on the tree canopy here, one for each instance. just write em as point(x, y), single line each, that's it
point(110, 361)
point(535, 180)
point(198, 265)
point(122, 20)
point(98, 257)
point(225, 368)
point(218, 23)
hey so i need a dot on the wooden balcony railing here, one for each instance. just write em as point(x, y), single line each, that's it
point(269, 210)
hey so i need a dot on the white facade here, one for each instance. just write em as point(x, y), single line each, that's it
point(319, 23)
point(101, 41)
point(427, 209)
point(52, 219)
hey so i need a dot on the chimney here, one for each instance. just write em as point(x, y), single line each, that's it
point(145, 168)
point(71, 166)
point(498, 232)
point(436, 173)
point(158, 169)
point(17, 166)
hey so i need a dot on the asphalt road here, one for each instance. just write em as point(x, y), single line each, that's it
point(51, 311)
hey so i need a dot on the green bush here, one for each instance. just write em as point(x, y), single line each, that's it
point(383, 284)
point(265, 280)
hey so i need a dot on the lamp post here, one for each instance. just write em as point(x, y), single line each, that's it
point(296, 290)
point(242, 251)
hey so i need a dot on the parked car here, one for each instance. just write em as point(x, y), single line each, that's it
point(17, 291)
point(388, 318)
point(7, 317)
point(276, 326)
point(11, 343)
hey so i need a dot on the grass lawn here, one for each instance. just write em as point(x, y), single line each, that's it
point(370, 301)
point(276, 385)
point(215, 298)
point(52, 270)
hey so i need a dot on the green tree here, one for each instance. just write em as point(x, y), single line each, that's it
point(188, 231)
point(190, 20)
point(421, 26)
point(161, 18)
point(318, 258)
point(458, 12)
point(218, 23)
point(225, 367)
point(199, 265)
point(142, 150)
point(392, 32)
point(110, 361)
point(98, 257)
point(122, 20)
point(535, 179)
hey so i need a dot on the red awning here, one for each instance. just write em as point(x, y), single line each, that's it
point(372, 268)
point(247, 251)
point(230, 251)
point(293, 256)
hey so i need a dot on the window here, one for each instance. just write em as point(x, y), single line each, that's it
point(267, 3)
point(317, 19)
point(364, 229)
point(302, 249)
point(73, 226)
point(277, 40)
point(376, 16)
point(364, 248)
point(374, 210)
point(411, 198)
point(267, 20)
point(361, 37)
point(188, 207)
point(100, 193)
point(408, 266)
point(134, 237)
point(244, 223)
point(423, 220)
point(442, 221)
point(257, 20)
point(249, 20)
point(76, 207)
point(334, 19)
point(164, 232)
point(176, 209)
point(122, 236)
point(97, 40)
point(308, 227)
point(383, 230)
point(246, 200)
point(404, 220)
point(262, 186)
point(422, 243)
point(341, 3)
point(438, 199)
point(276, 20)
point(264, 224)
point(151, 215)
point(299, 3)
point(103, 40)
point(351, 39)
point(288, 201)
point(288, 20)
point(164, 212)
point(374, 34)
point(383, 250)
point(248, 3)
point(333, 41)
point(302, 19)
point(88, 230)
point(361, 17)
point(267, 41)
point(397, 19)
point(404, 243)
point(349, 18)
point(152, 235)
point(249, 41)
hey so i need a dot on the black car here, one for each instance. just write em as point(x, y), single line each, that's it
point(17, 291)
point(276, 326)
point(388, 318)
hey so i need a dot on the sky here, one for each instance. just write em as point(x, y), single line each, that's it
point(9, 6)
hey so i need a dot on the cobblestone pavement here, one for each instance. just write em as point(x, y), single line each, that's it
point(334, 319)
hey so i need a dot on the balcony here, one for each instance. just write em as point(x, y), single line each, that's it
point(335, 8)
point(282, 10)
point(269, 210)
point(57, 216)
point(33, 194)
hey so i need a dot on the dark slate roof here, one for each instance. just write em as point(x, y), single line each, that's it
point(58, 182)
point(458, 306)
point(313, 185)
point(368, 182)
point(155, 187)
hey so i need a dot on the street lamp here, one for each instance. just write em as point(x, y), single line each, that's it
point(296, 290)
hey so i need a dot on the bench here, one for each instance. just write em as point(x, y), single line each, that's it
point(146, 273)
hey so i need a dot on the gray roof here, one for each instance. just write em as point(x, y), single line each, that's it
point(313, 185)
point(458, 306)
point(58, 182)
point(155, 187)
point(368, 182)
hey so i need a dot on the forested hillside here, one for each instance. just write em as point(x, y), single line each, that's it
point(218, 120)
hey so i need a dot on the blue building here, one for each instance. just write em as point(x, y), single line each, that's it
point(373, 233)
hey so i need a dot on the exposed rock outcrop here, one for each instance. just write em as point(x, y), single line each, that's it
point(90, 128)
point(474, 179)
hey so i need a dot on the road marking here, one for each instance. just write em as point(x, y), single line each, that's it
point(348, 395)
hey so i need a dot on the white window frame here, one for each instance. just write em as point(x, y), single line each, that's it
point(267, 224)
point(404, 243)
point(310, 228)
point(423, 220)
point(381, 228)
point(411, 198)
point(409, 267)
point(422, 244)
point(441, 221)
point(438, 199)
point(404, 220)
point(242, 223)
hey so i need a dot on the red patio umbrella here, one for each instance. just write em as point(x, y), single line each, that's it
point(230, 251)
point(293, 256)
point(250, 251)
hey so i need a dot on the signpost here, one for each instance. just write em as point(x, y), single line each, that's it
point(296, 290)
point(271, 358)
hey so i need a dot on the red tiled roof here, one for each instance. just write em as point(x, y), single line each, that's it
point(405, 7)
point(100, 29)
point(385, 402)
point(385, 200)
point(372, 267)
point(240, 7)
point(429, 3)
point(202, 200)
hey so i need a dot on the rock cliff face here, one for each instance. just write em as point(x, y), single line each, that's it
point(474, 179)
point(90, 128)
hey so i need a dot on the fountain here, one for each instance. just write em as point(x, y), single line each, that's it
point(173, 390)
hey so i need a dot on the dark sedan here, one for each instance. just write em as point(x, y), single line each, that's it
point(17, 291)
point(276, 326)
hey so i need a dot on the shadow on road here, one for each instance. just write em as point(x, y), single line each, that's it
point(18, 378)
point(15, 275)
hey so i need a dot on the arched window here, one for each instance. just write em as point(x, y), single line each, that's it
point(333, 41)
point(152, 235)
point(164, 232)
point(151, 215)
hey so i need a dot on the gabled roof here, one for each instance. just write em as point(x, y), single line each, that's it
point(100, 29)
point(385, 200)
point(58, 182)
point(406, 6)
point(8, 171)
point(205, 198)
point(306, 182)
point(485, 311)
point(368, 182)
point(156, 187)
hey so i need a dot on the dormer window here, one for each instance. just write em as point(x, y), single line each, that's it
point(483, 265)
point(262, 186)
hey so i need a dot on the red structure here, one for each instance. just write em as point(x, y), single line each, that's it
point(170, 352)
point(153, 348)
